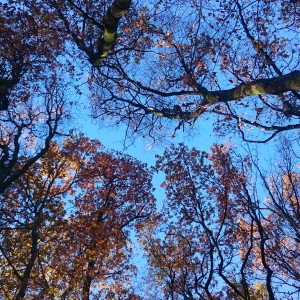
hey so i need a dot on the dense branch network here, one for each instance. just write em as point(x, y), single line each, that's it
point(148, 67)
point(166, 66)
point(272, 86)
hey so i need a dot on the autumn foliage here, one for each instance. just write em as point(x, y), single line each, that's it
point(72, 213)
point(235, 60)
point(66, 224)
point(218, 238)
point(176, 63)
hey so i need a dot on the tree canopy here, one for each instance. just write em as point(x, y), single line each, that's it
point(218, 238)
point(167, 59)
point(72, 212)
point(65, 224)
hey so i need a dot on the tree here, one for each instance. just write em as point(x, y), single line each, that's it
point(282, 201)
point(145, 65)
point(27, 128)
point(217, 238)
point(98, 21)
point(29, 48)
point(34, 47)
point(179, 60)
point(35, 40)
point(32, 90)
point(66, 223)
point(236, 60)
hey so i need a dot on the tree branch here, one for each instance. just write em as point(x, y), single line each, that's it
point(111, 21)
point(272, 86)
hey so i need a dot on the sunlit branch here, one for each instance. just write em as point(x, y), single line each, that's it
point(271, 86)
point(111, 21)
point(259, 47)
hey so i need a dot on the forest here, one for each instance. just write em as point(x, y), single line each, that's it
point(80, 220)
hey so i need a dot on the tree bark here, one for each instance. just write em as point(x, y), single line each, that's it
point(111, 21)
point(33, 255)
point(271, 86)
